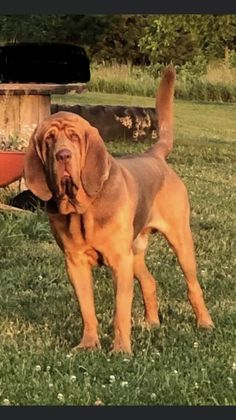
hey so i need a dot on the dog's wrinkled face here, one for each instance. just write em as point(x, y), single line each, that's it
point(62, 153)
point(66, 160)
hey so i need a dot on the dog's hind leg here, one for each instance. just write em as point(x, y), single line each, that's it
point(181, 240)
point(172, 219)
point(146, 280)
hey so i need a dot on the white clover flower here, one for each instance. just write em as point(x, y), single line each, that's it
point(48, 368)
point(103, 386)
point(73, 378)
point(112, 378)
point(126, 360)
point(50, 385)
point(60, 397)
point(196, 385)
point(234, 366)
point(124, 384)
point(176, 372)
point(230, 380)
point(98, 402)
point(69, 355)
point(195, 345)
point(37, 368)
point(153, 396)
point(6, 401)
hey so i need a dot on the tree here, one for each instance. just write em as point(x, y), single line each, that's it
point(105, 37)
point(135, 39)
point(183, 38)
point(29, 28)
point(217, 34)
point(170, 38)
point(114, 37)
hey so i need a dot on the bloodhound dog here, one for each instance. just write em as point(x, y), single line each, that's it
point(102, 210)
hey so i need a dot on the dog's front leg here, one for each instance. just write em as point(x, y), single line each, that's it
point(80, 275)
point(122, 267)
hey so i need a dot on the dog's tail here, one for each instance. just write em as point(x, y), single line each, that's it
point(164, 110)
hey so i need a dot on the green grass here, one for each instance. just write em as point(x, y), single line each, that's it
point(102, 98)
point(176, 364)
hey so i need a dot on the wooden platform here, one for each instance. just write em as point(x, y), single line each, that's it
point(39, 89)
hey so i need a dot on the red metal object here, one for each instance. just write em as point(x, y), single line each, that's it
point(11, 166)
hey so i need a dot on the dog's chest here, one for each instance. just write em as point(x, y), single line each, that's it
point(80, 236)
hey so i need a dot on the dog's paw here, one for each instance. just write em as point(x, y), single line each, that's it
point(205, 322)
point(88, 343)
point(148, 323)
point(152, 322)
point(120, 347)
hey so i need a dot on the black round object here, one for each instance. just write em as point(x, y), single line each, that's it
point(43, 63)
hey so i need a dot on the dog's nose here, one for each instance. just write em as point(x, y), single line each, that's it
point(63, 155)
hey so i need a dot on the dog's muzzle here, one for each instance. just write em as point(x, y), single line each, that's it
point(68, 186)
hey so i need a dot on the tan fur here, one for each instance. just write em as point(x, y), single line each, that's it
point(102, 209)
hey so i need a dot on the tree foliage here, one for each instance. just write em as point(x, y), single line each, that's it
point(135, 39)
point(182, 38)
point(105, 37)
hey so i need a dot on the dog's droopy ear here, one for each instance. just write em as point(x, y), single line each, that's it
point(34, 174)
point(97, 163)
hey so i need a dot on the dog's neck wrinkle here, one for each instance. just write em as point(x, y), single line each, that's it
point(82, 227)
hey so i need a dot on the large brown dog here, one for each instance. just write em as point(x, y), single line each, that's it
point(103, 209)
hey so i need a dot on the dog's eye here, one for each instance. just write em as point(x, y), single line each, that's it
point(73, 137)
point(50, 139)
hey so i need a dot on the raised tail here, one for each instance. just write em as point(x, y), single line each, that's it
point(164, 109)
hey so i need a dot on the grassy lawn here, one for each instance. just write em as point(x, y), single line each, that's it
point(176, 364)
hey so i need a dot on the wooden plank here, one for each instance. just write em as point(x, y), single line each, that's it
point(44, 107)
point(9, 116)
point(5, 207)
point(39, 89)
